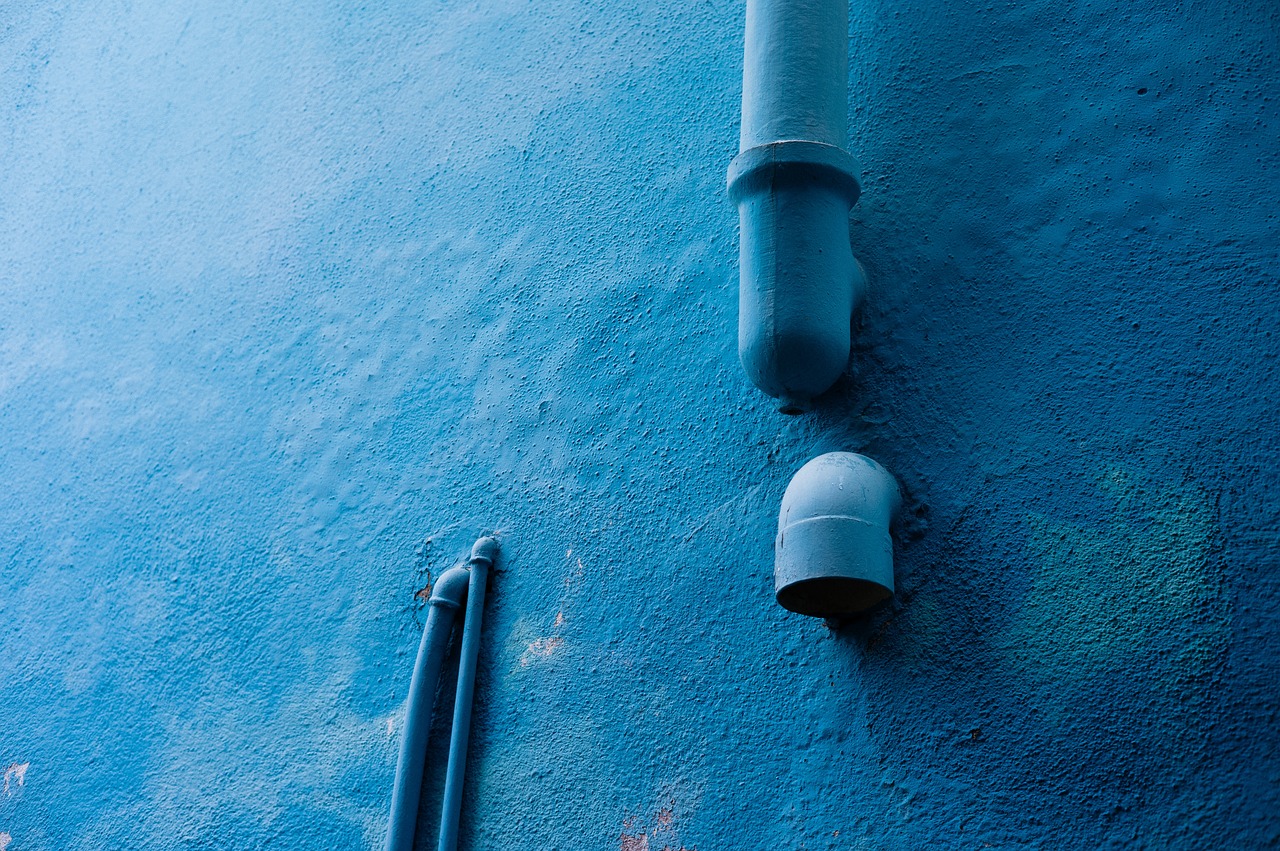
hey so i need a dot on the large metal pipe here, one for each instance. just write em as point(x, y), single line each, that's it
point(794, 184)
point(482, 556)
point(447, 596)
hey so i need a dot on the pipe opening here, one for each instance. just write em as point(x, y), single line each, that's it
point(833, 596)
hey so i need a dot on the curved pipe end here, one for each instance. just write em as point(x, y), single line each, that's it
point(485, 549)
point(833, 556)
point(799, 282)
point(451, 588)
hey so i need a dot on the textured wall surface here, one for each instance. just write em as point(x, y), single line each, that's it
point(297, 299)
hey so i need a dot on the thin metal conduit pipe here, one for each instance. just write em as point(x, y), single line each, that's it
point(452, 590)
point(447, 596)
point(482, 555)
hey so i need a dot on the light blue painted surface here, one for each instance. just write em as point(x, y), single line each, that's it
point(296, 301)
point(833, 556)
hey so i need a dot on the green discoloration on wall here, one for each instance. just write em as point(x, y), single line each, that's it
point(1140, 580)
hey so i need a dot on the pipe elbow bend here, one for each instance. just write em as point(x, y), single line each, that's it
point(799, 282)
point(451, 588)
point(834, 555)
point(485, 549)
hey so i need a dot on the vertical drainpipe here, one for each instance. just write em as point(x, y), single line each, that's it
point(794, 184)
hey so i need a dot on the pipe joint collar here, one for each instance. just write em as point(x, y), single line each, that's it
point(793, 162)
point(450, 590)
point(485, 550)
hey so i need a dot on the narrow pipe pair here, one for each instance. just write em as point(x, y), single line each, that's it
point(455, 587)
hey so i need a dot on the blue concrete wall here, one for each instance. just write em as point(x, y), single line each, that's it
point(297, 299)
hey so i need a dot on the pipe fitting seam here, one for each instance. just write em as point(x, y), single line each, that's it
point(485, 549)
point(450, 590)
point(793, 160)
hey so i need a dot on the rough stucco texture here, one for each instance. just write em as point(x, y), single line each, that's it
point(297, 299)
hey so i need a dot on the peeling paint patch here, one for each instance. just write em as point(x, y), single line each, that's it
point(16, 772)
point(541, 648)
point(634, 842)
point(661, 832)
point(5, 839)
point(574, 577)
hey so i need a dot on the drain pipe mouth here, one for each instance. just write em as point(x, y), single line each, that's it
point(833, 556)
